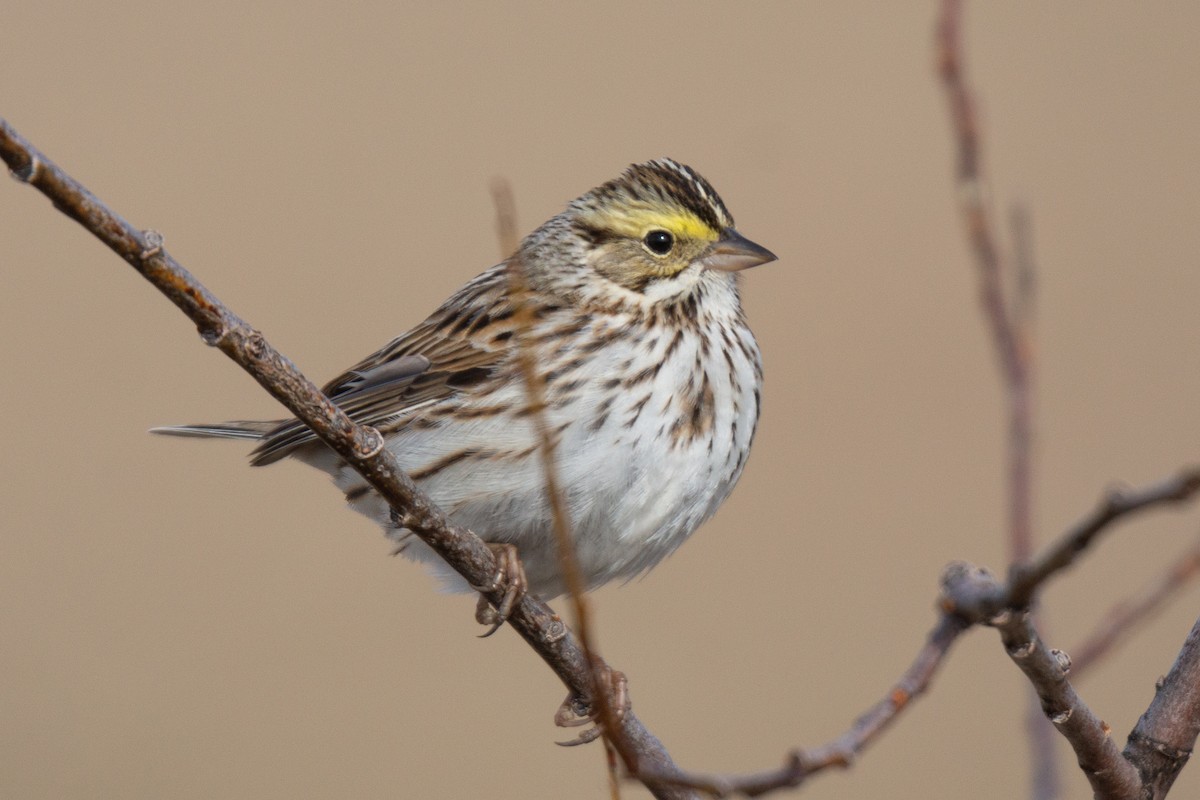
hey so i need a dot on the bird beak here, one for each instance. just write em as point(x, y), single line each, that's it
point(734, 252)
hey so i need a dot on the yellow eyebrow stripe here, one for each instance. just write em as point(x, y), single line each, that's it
point(636, 220)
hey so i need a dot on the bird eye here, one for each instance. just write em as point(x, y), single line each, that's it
point(659, 242)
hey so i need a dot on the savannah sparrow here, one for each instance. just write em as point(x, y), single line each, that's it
point(652, 386)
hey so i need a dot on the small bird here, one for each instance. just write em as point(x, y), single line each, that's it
point(652, 385)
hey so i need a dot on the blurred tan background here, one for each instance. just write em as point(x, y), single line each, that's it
point(174, 624)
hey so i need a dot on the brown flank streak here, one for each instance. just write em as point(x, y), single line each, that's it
point(637, 411)
point(357, 492)
point(450, 460)
point(699, 418)
point(644, 375)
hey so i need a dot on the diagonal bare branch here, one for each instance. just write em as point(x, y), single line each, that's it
point(1010, 321)
point(980, 601)
point(972, 596)
point(1111, 776)
point(1120, 620)
point(568, 557)
point(1027, 578)
point(979, 598)
point(361, 446)
point(802, 764)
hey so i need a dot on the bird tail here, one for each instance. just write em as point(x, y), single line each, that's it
point(234, 429)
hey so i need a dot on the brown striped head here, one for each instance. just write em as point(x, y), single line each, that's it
point(656, 221)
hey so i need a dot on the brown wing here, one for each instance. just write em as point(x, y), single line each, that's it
point(460, 344)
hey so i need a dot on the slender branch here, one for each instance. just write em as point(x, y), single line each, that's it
point(362, 447)
point(1027, 578)
point(1123, 617)
point(1111, 776)
point(1162, 741)
point(972, 194)
point(535, 390)
point(1020, 387)
point(802, 764)
point(979, 601)
point(1010, 321)
point(1024, 298)
point(1158, 746)
point(979, 598)
point(972, 596)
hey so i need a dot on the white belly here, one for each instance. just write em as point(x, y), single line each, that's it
point(642, 464)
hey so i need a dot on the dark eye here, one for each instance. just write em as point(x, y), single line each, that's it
point(659, 242)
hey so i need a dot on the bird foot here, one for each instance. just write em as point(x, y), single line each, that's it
point(510, 576)
point(575, 711)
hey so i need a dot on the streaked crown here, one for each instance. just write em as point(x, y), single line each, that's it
point(660, 187)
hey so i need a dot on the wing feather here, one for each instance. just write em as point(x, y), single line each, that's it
point(434, 362)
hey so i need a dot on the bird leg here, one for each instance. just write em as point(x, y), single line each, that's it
point(576, 711)
point(510, 576)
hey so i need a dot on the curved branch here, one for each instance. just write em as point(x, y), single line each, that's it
point(1026, 579)
point(979, 601)
point(362, 447)
point(802, 764)
point(1158, 748)
point(972, 596)
point(1125, 615)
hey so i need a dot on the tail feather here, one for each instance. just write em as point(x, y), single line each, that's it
point(235, 429)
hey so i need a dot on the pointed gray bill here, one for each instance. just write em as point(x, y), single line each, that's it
point(734, 252)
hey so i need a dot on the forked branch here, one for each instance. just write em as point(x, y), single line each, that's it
point(1158, 747)
point(979, 598)
point(972, 596)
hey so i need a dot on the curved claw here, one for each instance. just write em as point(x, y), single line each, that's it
point(590, 735)
point(486, 615)
point(575, 712)
point(510, 576)
point(572, 713)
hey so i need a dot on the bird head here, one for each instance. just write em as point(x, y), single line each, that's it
point(655, 230)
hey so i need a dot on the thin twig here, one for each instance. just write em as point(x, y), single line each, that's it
point(979, 598)
point(972, 196)
point(1158, 747)
point(802, 764)
point(973, 596)
point(1027, 578)
point(535, 390)
point(979, 602)
point(361, 446)
point(1010, 320)
point(1120, 620)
